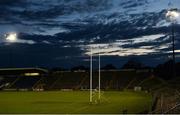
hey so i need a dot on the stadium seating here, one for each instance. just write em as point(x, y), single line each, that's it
point(25, 82)
point(8, 81)
point(76, 80)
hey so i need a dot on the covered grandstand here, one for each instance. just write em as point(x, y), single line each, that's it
point(38, 78)
point(20, 78)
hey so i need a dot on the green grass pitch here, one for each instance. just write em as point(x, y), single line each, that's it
point(73, 102)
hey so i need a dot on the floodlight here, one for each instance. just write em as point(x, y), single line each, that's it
point(12, 37)
point(172, 14)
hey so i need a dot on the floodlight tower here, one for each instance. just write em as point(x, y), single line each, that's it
point(172, 16)
point(11, 38)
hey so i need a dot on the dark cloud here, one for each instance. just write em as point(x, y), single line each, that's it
point(11, 2)
point(60, 30)
point(36, 10)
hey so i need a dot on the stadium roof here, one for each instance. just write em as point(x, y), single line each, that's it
point(22, 71)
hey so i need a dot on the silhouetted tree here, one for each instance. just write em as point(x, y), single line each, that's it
point(133, 64)
point(77, 68)
point(178, 69)
point(57, 69)
point(109, 67)
point(165, 70)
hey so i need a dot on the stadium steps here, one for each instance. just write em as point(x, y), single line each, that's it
point(7, 80)
point(81, 82)
point(152, 83)
point(55, 82)
point(40, 81)
point(48, 81)
point(68, 80)
point(25, 82)
point(124, 78)
point(10, 86)
point(130, 83)
point(138, 78)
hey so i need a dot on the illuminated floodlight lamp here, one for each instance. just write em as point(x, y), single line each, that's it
point(172, 14)
point(11, 37)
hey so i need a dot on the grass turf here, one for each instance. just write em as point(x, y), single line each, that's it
point(73, 102)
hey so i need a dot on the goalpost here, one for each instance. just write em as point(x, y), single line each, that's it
point(91, 76)
point(99, 96)
point(90, 97)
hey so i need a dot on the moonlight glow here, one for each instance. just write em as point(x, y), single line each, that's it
point(12, 37)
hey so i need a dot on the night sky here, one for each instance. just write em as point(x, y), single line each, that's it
point(60, 33)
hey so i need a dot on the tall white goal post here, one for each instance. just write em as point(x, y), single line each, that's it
point(91, 59)
point(91, 78)
point(99, 95)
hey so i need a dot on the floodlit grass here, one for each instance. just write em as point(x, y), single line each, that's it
point(73, 102)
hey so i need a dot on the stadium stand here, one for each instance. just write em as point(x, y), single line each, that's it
point(25, 83)
point(37, 78)
point(20, 78)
